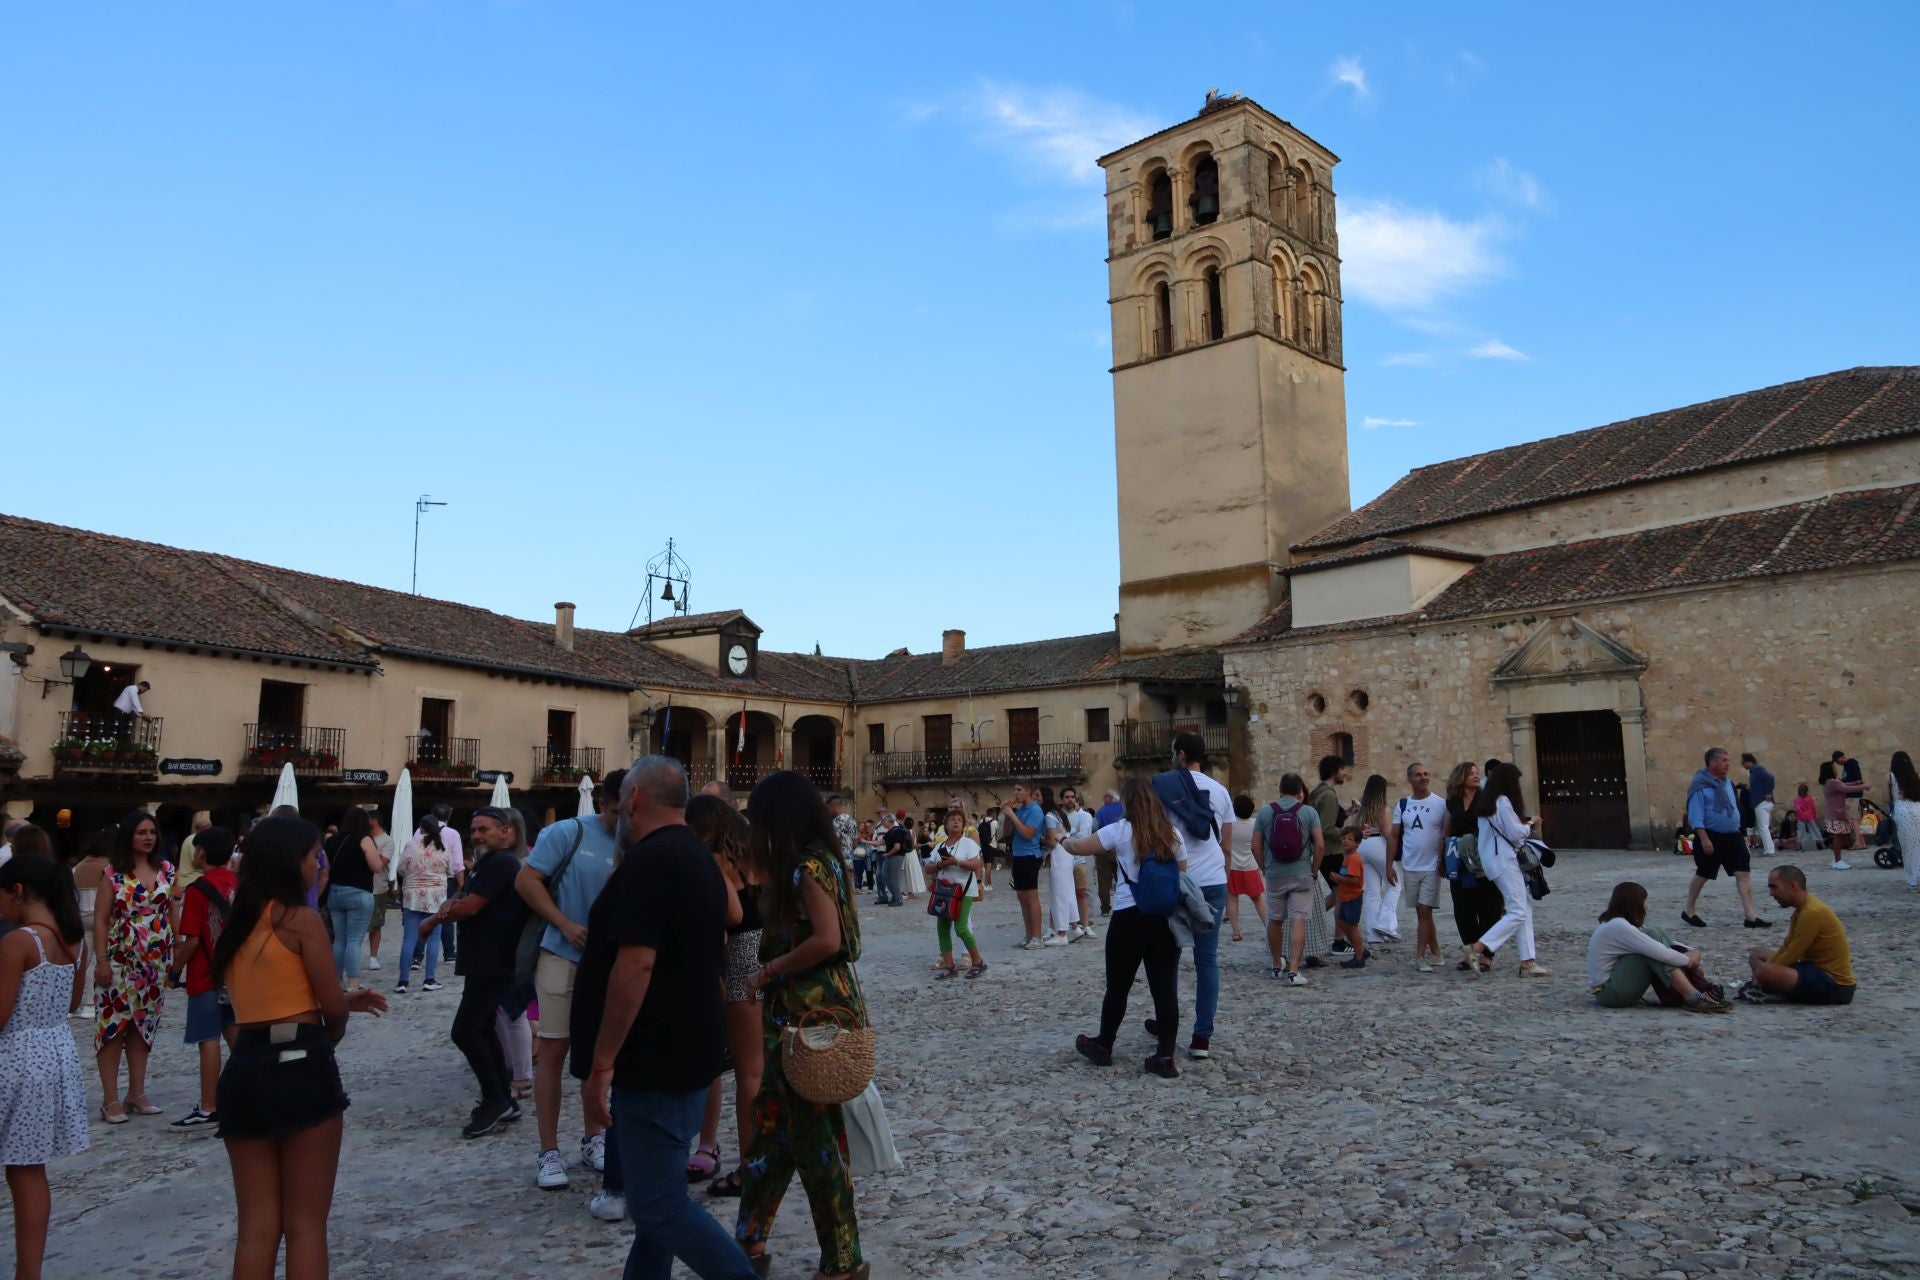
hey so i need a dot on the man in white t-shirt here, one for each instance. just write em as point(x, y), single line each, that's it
point(1417, 839)
point(1206, 861)
point(1079, 823)
point(128, 703)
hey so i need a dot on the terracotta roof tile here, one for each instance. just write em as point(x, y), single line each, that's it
point(1846, 530)
point(1853, 406)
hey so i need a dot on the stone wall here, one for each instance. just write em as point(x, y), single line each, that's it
point(1789, 668)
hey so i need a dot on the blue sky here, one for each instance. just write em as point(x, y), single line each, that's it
point(818, 290)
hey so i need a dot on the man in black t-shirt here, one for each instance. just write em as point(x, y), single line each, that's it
point(893, 861)
point(662, 1034)
point(490, 915)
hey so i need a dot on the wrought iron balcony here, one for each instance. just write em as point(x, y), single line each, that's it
point(443, 759)
point(565, 766)
point(313, 753)
point(1153, 739)
point(107, 743)
point(824, 776)
point(978, 764)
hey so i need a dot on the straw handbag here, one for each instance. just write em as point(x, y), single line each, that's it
point(827, 1064)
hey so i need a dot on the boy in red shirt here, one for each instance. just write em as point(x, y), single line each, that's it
point(1349, 884)
point(204, 909)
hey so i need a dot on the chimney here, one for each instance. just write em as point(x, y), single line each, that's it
point(563, 625)
point(952, 645)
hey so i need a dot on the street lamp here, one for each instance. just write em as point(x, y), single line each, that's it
point(74, 665)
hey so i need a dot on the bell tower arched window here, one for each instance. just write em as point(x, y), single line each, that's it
point(1216, 307)
point(1159, 205)
point(1303, 219)
point(1276, 186)
point(1205, 199)
point(1162, 319)
point(1313, 309)
point(1283, 305)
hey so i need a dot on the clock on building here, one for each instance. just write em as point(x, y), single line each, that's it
point(738, 659)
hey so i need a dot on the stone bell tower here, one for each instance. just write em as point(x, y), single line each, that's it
point(1229, 397)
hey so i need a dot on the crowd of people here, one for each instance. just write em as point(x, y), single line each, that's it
point(651, 948)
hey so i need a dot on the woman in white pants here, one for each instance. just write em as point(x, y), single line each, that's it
point(1903, 797)
point(1501, 829)
point(1380, 895)
point(1062, 903)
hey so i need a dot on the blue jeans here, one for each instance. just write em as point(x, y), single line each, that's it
point(613, 1174)
point(352, 912)
point(892, 879)
point(656, 1132)
point(1206, 964)
point(410, 941)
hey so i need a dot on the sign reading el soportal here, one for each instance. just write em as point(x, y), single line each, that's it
point(366, 777)
point(191, 768)
point(490, 776)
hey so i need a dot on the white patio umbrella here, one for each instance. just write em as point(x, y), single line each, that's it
point(402, 826)
point(287, 791)
point(586, 795)
point(500, 800)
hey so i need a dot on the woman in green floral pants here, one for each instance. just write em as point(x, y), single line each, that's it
point(807, 951)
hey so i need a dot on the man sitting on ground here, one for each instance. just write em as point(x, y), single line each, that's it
point(1814, 965)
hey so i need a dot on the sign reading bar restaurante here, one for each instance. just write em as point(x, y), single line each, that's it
point(368, 777)
point(490, 776)
point(191, 768)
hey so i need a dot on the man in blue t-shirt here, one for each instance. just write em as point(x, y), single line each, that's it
point(571, 863)
point(1109, 812)
point(1024, 820)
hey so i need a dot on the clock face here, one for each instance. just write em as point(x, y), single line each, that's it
point(737, 659)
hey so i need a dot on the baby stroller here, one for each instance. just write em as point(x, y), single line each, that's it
point(1886, 838)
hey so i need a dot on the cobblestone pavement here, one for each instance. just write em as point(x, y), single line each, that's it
point(1379, 1123)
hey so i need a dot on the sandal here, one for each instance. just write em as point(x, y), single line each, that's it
point(727, 1187)
point(705, 1163)
point(1239, 937)
point(948, 972)
point(106, 1112)
point(975, 971)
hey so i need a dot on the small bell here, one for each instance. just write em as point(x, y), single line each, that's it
point(666, 592)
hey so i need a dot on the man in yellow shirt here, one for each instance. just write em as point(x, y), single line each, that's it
point(1814, 965)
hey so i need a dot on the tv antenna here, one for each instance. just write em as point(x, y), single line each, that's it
point(420, 505)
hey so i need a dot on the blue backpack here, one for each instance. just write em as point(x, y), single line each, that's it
point(1157, 891)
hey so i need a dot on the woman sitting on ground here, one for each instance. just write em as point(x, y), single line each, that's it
point(1626, 957)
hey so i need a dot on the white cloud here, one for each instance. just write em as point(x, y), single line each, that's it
point(1504, 182)
point(1408, 359)
point(1349, 72)
point(1494, 349)
point(1370, 424)
point(1408, 259)
point(1059, 131)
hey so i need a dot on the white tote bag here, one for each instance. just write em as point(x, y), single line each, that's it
point(870, 1148)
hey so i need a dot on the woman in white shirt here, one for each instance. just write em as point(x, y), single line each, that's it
point(1134, 938)
point(1063, 904)
point(1245, 878)
point(1501, 829)
point(1903, 797)
point(956, 860)
point(1625, 958)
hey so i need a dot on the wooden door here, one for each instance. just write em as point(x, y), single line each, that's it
point(1023, 737)
point(939, 735)
point(1583, 780)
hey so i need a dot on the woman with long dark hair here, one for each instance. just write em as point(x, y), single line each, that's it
point(1062, 903)
point(132, 942)
point(724, 831)
point(810, 941)
point(1475, 908)
point(1133, 938)
point(426, 868)
point(280, 1095)
point(354, 859)
point(1380, 892)
point(43, 1103)
point(1835, 792)
point(1627, 957)
point(1500, 832)
point(1903, 798)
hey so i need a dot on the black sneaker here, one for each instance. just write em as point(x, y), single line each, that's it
point(1093, 1051)
point(400, 989)
point(195, 1119)
point(1358, 962)
point(486, 1117)
point(1695, 921)
point(1341, 947)
point(1162, 1067)
point(1202, 1047)
point(1758, 923)
point(431, 984)
point(513, 1112)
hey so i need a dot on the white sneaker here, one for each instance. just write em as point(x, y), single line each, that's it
point(1843, 866)
point(1057, 940)
point(1423, 967)
point(373, 962)
point(1295, 978)
point(553, 1174)
point(593, 1152)
point(608, 1206)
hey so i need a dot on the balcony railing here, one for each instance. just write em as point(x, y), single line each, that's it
point(443, 759)
point(313, 753)
point(743, 777)
point(978, 764)
point(107, 743)
point(824, 776)
point(565, 766)
point(1153, 739)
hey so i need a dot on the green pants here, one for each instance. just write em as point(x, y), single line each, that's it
point(793, 1136)
point(961, 926)
point(1632, 975)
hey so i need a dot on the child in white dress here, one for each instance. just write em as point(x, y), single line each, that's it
point(43, 1107)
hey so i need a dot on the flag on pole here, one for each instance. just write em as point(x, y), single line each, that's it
point(740, 743)
point(666, 730)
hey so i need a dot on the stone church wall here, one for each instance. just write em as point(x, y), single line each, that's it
point(1790, 668)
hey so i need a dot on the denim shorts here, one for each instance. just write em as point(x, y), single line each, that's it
point(1350, 912)
point(1816, 986)
point(207, 1017)
point(270, 1090)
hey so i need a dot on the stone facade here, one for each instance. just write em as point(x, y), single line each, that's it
point(1790, 668)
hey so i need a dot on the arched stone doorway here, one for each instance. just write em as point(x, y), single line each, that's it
point(816, 750)
point(749, 757)
point(686, 734)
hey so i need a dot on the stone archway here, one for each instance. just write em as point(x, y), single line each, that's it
point(1566, 667)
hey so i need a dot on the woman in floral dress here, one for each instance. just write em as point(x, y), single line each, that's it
point(811, 939)
point(132, 944)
